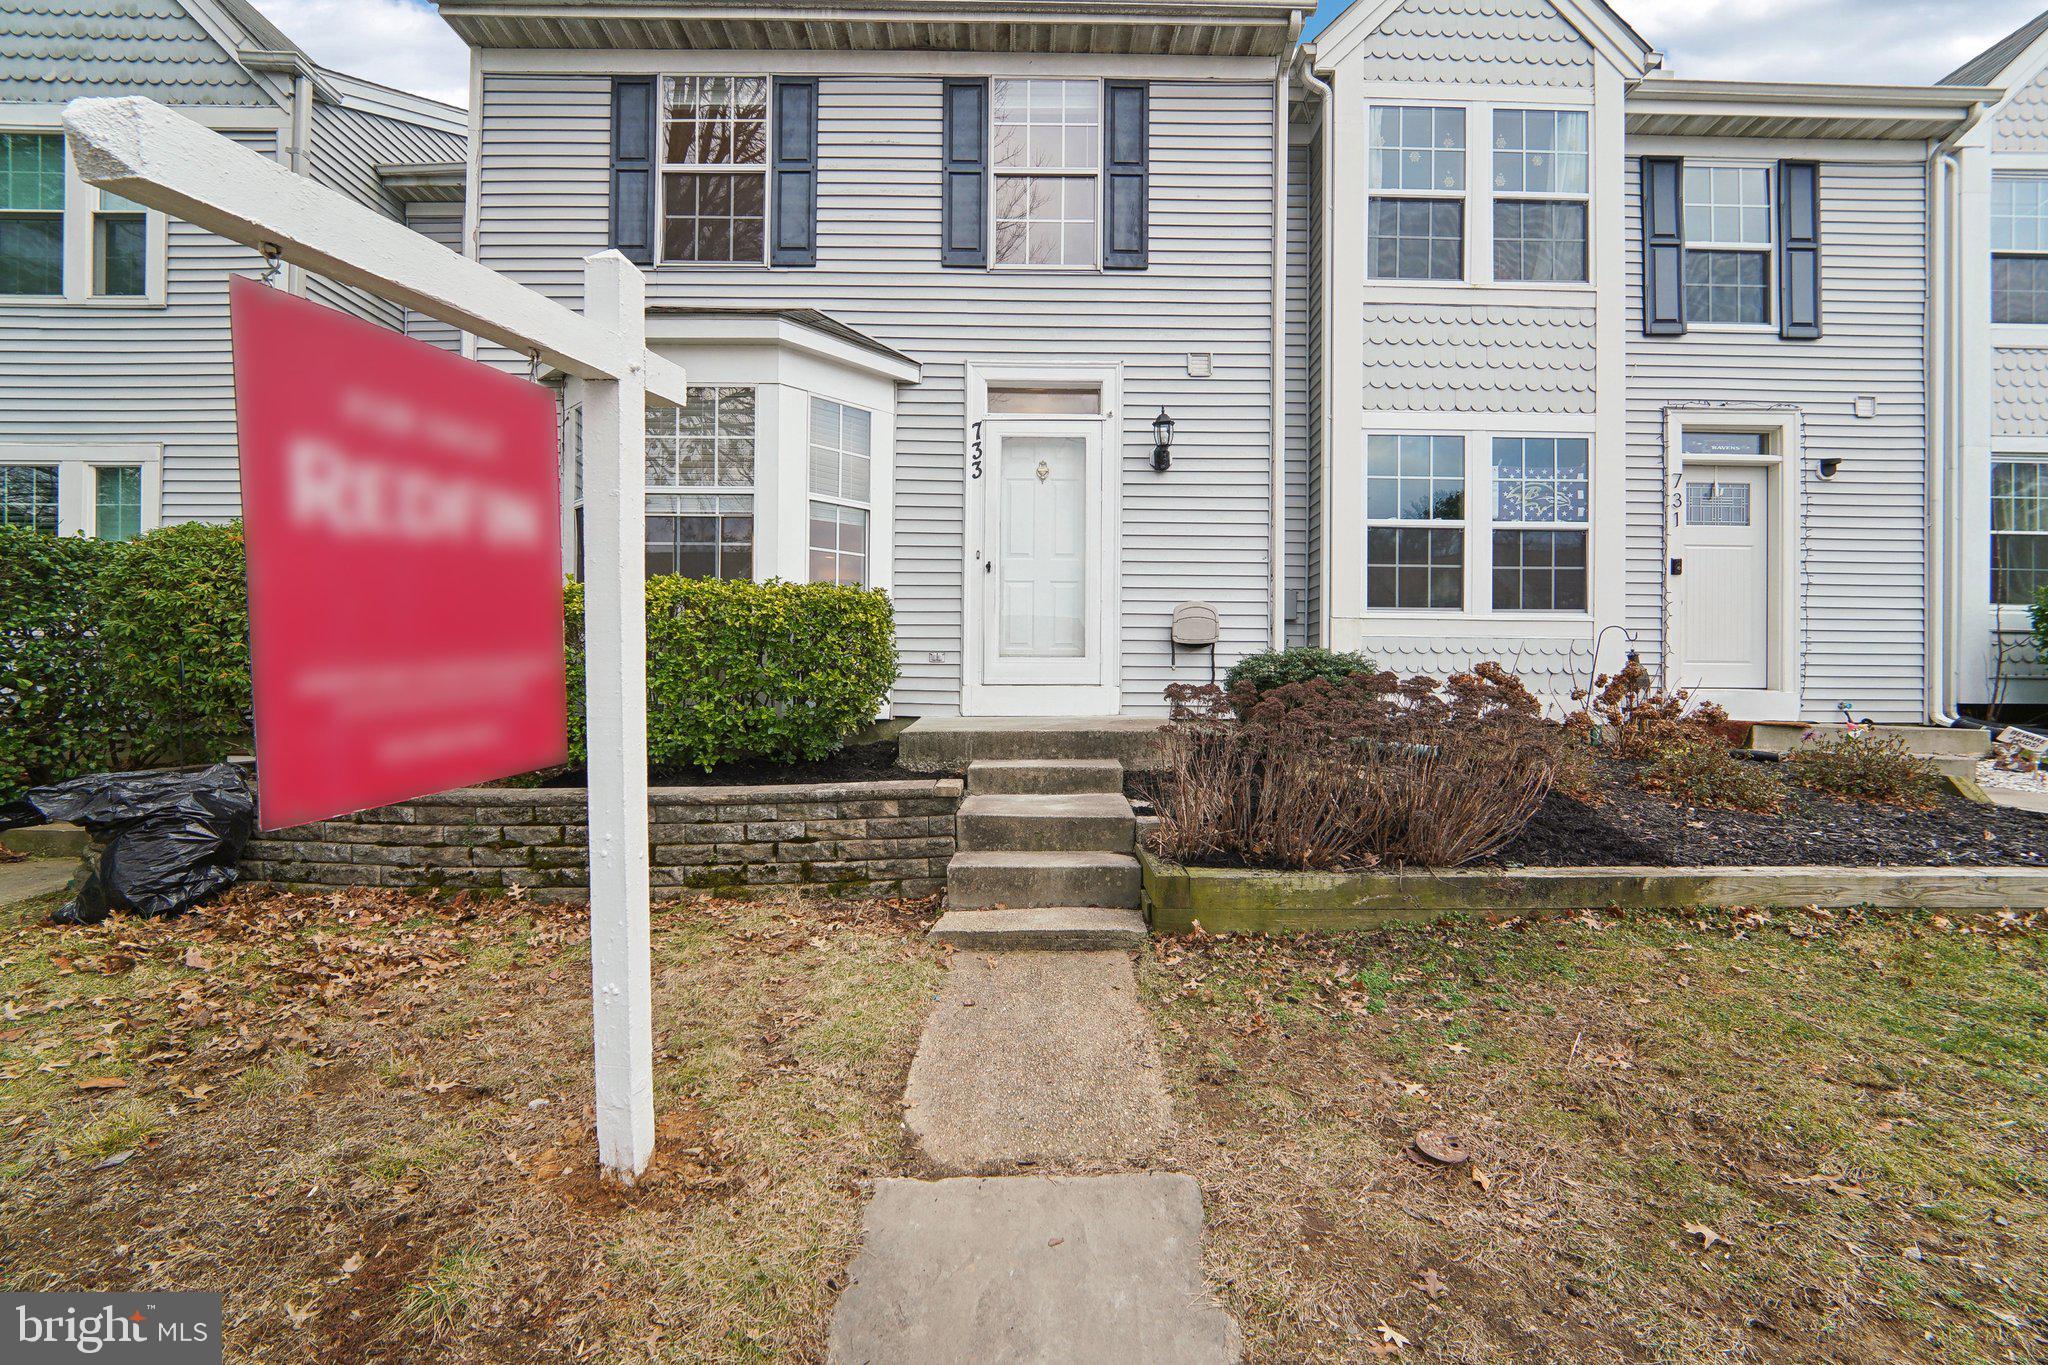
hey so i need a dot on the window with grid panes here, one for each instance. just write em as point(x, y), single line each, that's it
point(1540, 195)
point(700, 485)
point(1728, 245)
point(842, 463)
point(2019, 249)
point(1415, 523)
point(715, 170)
point(1416, 175)
point(1046, 145)
point(2019, 530)
point(31, 214)
point(1540, 507)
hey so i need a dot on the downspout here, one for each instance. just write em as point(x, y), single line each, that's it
point(1281, 90)
point(1328, 97)
point(301, 157)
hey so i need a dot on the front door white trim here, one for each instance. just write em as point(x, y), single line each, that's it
point(1783, 462)
point(1068, 691)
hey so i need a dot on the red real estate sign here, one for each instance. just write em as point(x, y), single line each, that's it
point(402, 512)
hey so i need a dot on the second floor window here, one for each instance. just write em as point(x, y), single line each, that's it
point(1728, 245)
point(31, 214)
point(1417, 180)
point(2019, 247)
point(714, 182)
point(1047, 150)
point(700, 485)
point(1541, 189)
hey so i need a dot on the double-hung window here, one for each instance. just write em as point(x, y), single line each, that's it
point(28, 497)
point(1416, 228)
point(1728, 245)
point(1047, 150)
point(1415, 523)
point(842, 458)
point(32, 214)
point(1541, 188)
point(1540, 506)
point(2019, 529)
point(104, 492)
point(120, 247)
point(2019, 249)
point(700, 485)
point(714, 180)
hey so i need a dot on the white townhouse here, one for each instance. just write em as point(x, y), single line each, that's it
point(1606, 360)
point(116, 390)
point(1994, 361)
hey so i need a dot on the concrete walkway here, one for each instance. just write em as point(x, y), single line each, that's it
point(33, 877)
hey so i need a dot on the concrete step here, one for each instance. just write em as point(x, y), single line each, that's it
point(1048, 929)
point(947, 744)
point(1928, 741)
point(1088, 823)
point(1021, 881)
point(1044, 776)
point(47, 841)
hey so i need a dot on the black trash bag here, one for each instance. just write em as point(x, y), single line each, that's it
point(172, 838)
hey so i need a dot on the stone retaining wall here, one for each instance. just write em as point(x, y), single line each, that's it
point(864, 838)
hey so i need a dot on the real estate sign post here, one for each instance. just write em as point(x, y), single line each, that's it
point(145, 152)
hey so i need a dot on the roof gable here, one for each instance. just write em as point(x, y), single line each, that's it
point(1478, 32)
point(1991, 66)
point(53, 52)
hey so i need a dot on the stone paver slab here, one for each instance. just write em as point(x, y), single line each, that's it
point(987, 1272)
point(34, 877)
point(1037, 1060)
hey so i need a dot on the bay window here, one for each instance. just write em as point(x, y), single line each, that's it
point(714, 180)
point(2019, 249)
point(842, 456)
point(1416, 174)
point(700, 485)
point(1727, 212)
point(1541, 188)
point(1046, 141)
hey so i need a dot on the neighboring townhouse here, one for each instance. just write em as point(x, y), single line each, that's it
point(937, 273)
point(1624, 362)
point(116, 389)
point(1994, 361)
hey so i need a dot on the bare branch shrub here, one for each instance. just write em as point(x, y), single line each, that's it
point(1641, 719)
point(1861, 766)
point(1371, 770)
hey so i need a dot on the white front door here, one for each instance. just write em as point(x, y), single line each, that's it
point(1037, 551)
point(1725, 621)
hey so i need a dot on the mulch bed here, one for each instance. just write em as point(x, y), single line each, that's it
point(1633, 828)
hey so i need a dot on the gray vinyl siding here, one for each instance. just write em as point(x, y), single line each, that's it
point(1299, 247)
point(1201, 532)
point(1862, 578)
point(439, 223)
point(348, 147)
point(75, 375)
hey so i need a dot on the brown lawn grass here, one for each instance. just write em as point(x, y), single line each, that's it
point(1823, 1139)
point(365, 1118)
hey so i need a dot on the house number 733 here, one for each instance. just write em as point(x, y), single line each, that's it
point(974, 453)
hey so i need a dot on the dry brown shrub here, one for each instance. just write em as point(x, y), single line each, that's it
point(1861, 766)
point(1375, 769)
point(1642, 719)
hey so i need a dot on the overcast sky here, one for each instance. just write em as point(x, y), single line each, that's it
point(404, 43)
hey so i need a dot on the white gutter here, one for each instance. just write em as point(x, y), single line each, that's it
point(1328, 414)
point(1281, 149)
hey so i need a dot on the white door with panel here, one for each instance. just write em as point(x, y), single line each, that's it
point(1041, 596)
point(1725, 625)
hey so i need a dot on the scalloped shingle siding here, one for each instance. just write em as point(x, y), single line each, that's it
point(2022, 126)
point(1445, 358)
point(1480, 42)
point(68, 49)
point(2019, 393)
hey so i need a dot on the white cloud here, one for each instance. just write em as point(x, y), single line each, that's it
point(402, 43)
point(1843, 41)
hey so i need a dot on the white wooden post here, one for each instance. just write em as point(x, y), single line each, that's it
point(615, 653)
point(164, 160)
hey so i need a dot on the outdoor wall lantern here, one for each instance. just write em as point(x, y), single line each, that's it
point(1162, 433)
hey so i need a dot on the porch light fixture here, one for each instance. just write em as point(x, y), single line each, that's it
point(1162, 433)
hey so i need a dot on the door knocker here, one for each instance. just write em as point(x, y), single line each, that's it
point(1044, 471)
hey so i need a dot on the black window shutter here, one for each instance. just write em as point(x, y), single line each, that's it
point(964, 195)
point(796, 172)
point(1127, 168)
point(633, 171)
point(1663, 247)
point(1799, 250)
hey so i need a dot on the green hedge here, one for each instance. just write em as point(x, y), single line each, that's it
point(55, 721)
point(121, 655)
point(779, 671)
